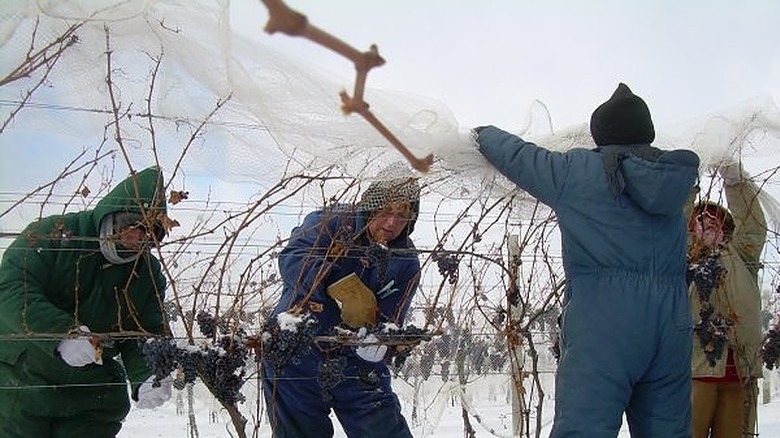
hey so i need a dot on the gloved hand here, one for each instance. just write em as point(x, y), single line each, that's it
point(357, 301)
point(150, 397)
point(79, 352)
point(370, 353)
point(732, 173)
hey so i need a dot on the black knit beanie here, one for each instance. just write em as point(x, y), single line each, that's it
point(624, 119)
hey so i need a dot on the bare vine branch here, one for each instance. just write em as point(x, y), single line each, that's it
point(286, 20)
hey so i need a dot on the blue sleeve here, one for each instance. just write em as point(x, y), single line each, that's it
point(538, 171)
point(308, 259)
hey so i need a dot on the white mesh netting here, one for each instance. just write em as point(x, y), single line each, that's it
point(173, 79)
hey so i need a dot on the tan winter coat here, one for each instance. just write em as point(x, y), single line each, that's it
point(738, 296)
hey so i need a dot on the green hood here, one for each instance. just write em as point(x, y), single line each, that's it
point(141, 192)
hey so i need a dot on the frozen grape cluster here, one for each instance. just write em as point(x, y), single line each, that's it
point(289, 340)
point(224, 370)
point(712, 331)
point(162, 356)
point(330, 372)
point(221, 364)
point(448, 264)
point(207, 323)
point(706, 275)
point(405, 338)
point(770, 351)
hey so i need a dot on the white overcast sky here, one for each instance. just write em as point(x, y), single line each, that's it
point(487, 60)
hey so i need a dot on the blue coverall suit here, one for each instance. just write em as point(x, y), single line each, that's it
point(298, 406)
point(626, 324)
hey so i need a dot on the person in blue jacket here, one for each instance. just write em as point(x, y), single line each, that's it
point(371, 241)
point(626, 328)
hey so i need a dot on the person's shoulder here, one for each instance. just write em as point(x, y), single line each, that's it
point(155, 263)
point(332, 214)
point(581, 154)
point(582, 151)
point(338, 217)
point(684, 157)
point(61, 221)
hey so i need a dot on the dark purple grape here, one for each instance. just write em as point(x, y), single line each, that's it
point(448, 265)
point(281, 346)
point(221, 365)
point(770, 350)
point(330, 372)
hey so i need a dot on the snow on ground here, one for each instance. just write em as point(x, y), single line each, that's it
point(442, 414)
point(164, 422)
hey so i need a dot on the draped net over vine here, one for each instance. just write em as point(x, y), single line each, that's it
point(260, 107)
point(139, 82)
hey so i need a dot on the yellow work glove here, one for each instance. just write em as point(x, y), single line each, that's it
point(357, 302)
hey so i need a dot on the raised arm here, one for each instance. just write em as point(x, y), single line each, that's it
point(538, 171)
point(750, 224)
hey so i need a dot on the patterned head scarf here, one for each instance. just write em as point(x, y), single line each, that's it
point(394, 184)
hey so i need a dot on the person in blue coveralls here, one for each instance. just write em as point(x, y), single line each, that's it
point(626, 328)
point(350, 266)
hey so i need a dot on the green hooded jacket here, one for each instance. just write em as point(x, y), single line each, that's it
point(54, 278)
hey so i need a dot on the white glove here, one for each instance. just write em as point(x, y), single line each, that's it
point(150, 397)
point(732, 173)
point(79, 352)
point(370, 353)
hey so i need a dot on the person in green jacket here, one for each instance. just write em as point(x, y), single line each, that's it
point(724, 259)
point(78, 292)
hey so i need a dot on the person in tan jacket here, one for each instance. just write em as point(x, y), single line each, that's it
point(724, 255)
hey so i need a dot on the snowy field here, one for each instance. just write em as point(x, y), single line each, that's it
point(440, 418)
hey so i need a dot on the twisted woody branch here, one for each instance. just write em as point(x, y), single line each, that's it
point(285, 20)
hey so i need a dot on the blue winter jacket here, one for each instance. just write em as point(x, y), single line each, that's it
point(626, 324)
point(329, 245)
